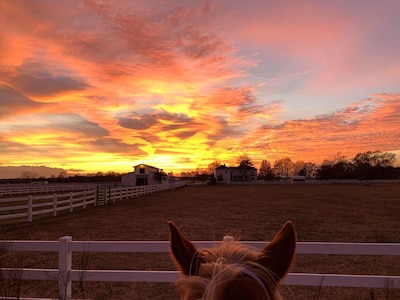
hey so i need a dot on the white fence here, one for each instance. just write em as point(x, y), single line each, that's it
point(331, 181)
point(33, 205)
point(30, 206)
point(65, 246)
point(40, 188)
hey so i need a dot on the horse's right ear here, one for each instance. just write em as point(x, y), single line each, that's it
point(182, 249)
point(278, 255)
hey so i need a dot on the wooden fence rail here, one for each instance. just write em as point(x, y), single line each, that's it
point(40, 204)
point(9, 190)
point(33, 205)
point(65, 275)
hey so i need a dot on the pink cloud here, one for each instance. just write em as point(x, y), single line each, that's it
point(220, 78)
point(366, 125)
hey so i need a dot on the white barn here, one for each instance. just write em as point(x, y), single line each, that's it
point(144, 175)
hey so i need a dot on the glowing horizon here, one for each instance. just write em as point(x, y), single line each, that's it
point(96, 87)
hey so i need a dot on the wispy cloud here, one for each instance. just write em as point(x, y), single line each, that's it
point(13, 102)
point(369, 124)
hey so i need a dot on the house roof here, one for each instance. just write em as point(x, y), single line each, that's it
point(239, 167)
point(244, 168)
point(222, 167)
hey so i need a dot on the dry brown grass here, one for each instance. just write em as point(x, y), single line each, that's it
point(337, 213)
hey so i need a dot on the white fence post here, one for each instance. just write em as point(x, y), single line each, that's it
point(64, 268)
point(71, 199)
point(55, 205)
point(30, 208)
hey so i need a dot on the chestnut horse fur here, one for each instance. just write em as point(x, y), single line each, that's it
point(232, 270)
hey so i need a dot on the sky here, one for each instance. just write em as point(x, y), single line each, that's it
point(90, 86)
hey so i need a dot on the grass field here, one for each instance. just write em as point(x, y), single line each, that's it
point(335, 213)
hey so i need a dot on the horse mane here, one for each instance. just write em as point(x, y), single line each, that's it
point(218, 266)
point(232, 270)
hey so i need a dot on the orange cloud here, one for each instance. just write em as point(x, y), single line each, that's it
point(362, 126)
point(104, 86)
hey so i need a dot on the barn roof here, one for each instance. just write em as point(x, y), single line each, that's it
point(146, 166)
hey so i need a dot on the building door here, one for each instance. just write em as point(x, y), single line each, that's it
point(141, 181)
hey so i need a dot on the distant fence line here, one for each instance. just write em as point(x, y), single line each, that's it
point(65, 274)
point(40, 204)
point(329, 181)
point(282, 181)
point(40, 187)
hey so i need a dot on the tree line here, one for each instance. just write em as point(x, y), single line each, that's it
point(367, 165)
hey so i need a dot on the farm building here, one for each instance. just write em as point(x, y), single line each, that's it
point(241, 174)
point(298, 178)
point(144, 175)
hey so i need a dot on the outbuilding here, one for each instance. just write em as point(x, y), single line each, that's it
point(144, 175)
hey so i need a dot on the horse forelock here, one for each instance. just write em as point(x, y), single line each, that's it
point(217, 267)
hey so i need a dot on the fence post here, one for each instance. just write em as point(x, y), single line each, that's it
point(55, 205)
point(30, 208)
point(64, 268)
point(71, 208)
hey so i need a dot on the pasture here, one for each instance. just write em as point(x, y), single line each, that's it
point(334, 213)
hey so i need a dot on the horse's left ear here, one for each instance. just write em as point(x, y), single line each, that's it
point(182, 249)
point(278, 255)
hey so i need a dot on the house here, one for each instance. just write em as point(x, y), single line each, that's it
point(241, 174)
point(144, 175)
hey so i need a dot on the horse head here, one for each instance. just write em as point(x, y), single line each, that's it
point(232, 270)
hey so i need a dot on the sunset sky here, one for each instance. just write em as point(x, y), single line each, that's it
point(93, 86)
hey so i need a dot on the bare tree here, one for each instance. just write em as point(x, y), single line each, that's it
point(29, 175)
point(266, 171)
point(264, 167)
point(375, 158)
point(309, 171)
point(244, 160)
point(298, 166)
point(283, 167)
point(211, 167)
point(63, 174)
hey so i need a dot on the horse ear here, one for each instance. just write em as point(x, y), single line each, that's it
point(182, 249)
point(278, 255)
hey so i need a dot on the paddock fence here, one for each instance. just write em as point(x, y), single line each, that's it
point(28, 206)
point(40, 187)
point(65, 275)
point(328, 181)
